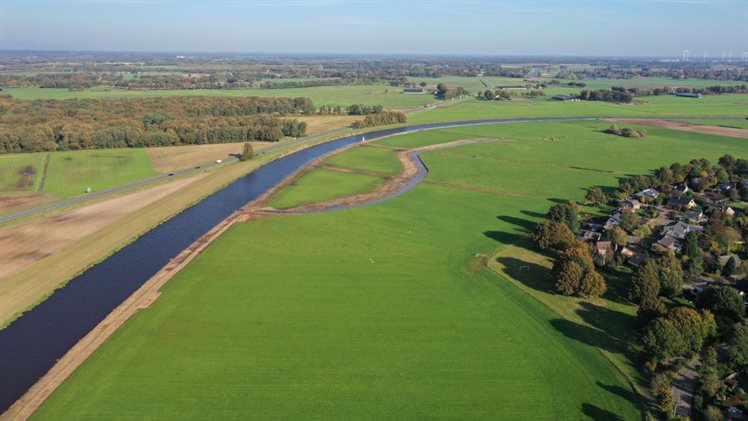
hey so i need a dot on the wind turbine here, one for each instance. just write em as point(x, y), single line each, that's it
point(685, 55)
point(729, 60)
point(724, 54)
point(704, 56)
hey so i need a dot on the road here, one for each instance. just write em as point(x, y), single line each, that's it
point(684, 385)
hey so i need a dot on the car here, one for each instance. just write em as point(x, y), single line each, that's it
point(218, 161)
point(170, 174)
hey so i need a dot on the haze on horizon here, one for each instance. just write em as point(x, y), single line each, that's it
point(500, 27)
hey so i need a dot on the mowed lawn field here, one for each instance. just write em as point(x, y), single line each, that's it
point(388, 311)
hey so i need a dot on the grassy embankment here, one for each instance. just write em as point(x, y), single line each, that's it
point(388, 310)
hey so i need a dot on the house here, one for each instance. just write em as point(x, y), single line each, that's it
point(694, 290)
point(648, 193)
point(589, 236)
point(676, 202)
point(633, 257)
point(414, 91)
point(630, 204)
point(613, 221)
point(695, 215)
point(728, 211)
point(671, 243)
point(688, 95)
point(725, 187)
point(715, 197)
point(680, 229)
point(604, 248)
point(681, 188)
point(565, 98)
point(725, 258)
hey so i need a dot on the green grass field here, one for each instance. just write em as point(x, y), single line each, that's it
point(322, 184)
point(384, 95)
point(20, 173)
point(69, 173)
point(386, 311)
point(366, 158)
point(663, 106)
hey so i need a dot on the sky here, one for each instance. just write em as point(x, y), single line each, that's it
point(662, 28)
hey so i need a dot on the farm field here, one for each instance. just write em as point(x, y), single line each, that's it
point(388, 310)
point(20, 173)
point(740, 124)
point(385, 95)
point(663, 106)
point(69, 173)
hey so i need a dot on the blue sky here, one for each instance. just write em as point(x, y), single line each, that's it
point(494, 27)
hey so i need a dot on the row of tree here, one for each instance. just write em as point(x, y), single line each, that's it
point(380, 119)
point(626, 131)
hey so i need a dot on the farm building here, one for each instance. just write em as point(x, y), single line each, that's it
point(647, 194)
point(565, 98)
point(688, 95)
point(414, 90)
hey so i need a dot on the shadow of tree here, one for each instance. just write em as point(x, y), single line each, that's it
point(585, 334)
point(613, 322)
point(503, 236)
point(533, 214)
point(627, 394)
point(530, 274)
point(525, 224)
point(597, 413)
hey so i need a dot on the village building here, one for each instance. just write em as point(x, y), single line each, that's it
point(671, 243)
point(630, 204)
point(681, 188)
point(648, 194)
point(676, 202)
point(679, 230)
point(695, 215)
point(688, 95)
point(414, 90)
point(605, 249)
point(565, 98)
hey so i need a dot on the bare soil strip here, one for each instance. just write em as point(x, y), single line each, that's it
point(686, 127)
point(414, 172)
point(355, 171)
point(22, 245)
point(142, 298)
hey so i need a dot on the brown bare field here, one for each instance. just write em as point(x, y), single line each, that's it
point(171, 158)
point(323, 123)
point(17, 202)
point(686, 127)
point(24, 244)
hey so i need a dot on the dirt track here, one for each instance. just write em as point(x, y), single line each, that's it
point(686, 127)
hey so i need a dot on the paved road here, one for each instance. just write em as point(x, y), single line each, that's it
point(684, 385)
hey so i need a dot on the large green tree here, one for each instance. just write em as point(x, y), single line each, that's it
point(566, 213)
point(553, 235)
point(645, 284)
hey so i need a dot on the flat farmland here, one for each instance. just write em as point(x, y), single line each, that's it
point(385, 95)
point(70, 173)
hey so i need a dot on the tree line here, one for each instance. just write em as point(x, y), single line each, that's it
point(380, 119)
point(49, 125)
